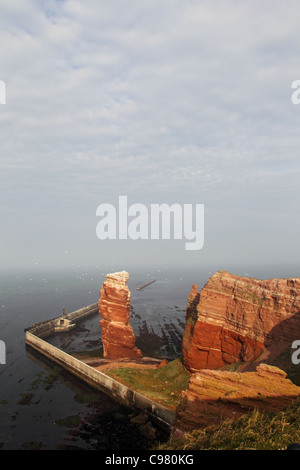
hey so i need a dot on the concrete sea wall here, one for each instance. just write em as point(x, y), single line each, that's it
point(35, 338)
point(47, 328)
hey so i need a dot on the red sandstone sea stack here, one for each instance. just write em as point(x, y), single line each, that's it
point(114, 307)
point(234, 318)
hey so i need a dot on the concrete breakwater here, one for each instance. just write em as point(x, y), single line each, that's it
point(145, 284)
point(35, 338)
point(48, 327)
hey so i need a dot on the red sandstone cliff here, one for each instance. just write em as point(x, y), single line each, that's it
point(234, 318)
point(114, 307)
point(213, 396)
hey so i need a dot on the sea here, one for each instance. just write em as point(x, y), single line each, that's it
point(42, 406)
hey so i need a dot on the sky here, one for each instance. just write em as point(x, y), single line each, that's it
point(180, 101)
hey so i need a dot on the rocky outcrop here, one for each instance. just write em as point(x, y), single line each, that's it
point(114, 307)
point(234, 318)
point(214, 395)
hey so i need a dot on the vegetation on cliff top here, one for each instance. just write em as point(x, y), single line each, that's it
point(255, 431)
point(163, 385)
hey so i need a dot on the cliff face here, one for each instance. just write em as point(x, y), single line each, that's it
point(213, 396)
point(234, 318)
point(114, 307)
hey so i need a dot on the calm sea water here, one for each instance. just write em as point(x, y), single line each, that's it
point(43, 407)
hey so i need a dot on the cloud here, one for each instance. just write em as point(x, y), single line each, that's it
point(161, 101)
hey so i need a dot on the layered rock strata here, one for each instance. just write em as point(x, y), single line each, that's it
point(234, 318)
point(213, 396)
point(114, 307)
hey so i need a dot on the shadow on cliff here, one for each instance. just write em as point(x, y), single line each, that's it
point(278, 351)
point(235, 396)
point(192, 305)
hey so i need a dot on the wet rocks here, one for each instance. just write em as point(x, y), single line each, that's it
point(145, 426)
point(141, 418)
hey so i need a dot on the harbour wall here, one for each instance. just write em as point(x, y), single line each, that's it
point(47, 328)
point(35, 338)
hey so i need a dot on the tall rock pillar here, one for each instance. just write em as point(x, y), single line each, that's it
point(114, 307)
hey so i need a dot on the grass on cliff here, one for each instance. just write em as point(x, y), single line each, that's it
point(163, 385)
point(255, 431)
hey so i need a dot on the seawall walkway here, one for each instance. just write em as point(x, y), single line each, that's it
point(35, 338)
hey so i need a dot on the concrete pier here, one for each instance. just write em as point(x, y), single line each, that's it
point(145, 284)
point(35, 338)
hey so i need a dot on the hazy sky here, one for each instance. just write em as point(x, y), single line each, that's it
point(173, 101)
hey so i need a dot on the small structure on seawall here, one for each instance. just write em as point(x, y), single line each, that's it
point(63, 323)
point(114, 307)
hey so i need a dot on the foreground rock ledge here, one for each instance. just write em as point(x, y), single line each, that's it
point(114, 307)
point(234, 318)
point(213, 396)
